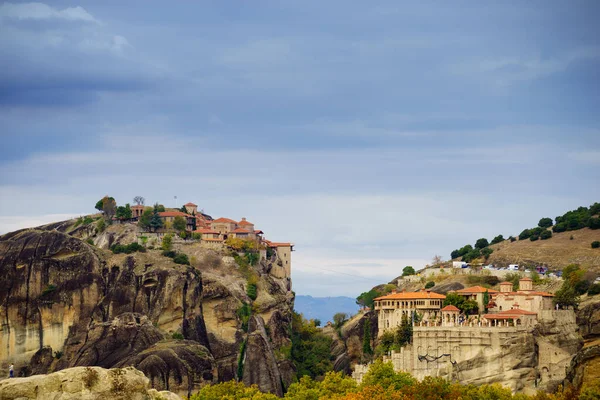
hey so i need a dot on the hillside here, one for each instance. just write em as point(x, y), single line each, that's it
point(69, 301)
point(556, 252)
point(323, 308)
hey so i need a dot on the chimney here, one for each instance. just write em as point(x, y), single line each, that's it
point(394, 291)
point(243, 218)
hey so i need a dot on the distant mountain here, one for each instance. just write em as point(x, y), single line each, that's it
point(323, 308)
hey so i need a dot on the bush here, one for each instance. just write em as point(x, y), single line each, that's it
point(546, 235)
point(487, 252)
point(525, 234)
point(545, 223)
point(90, 241)
point(177, 336)
point(88, 220)
point(595, 244)
point(594, 223)
point(481, 243)
point(560, 227)
point(48, 289)
point(251, 291)
point(169, 253)
point(533, 238)
point(127, 249)
point(512, 239)
point(498, 239)
point(408, 270)
point(167, 242)
point(196, 236)
point(429, 284)
point(594, 289)
point(101, 225)
point(181, 258)
point(472, 255)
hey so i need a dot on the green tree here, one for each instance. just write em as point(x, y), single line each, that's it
point(566, 296)
point(486, 252)
point(454, 300)
point(99, 205)
point(559, 227)
point(405, 332)
point(179, 223)
point(525, 234)
point(383, 374)
point(470, 307)
point(408, 270)
point(545, 223)
point(594, 223)
point(156, 221)
point(367, 349)
point(481, 243)
point(366, 298)
point(429, 285)
point(167, 242)
point(145, 220)
point(546, 234)
point(497, 239)
point(486, 300)
point(159, 207)
point(472, 255)
point(124, 212)
point(339, 319)
point(311, 352)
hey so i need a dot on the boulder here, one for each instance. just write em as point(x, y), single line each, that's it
point(84, 383)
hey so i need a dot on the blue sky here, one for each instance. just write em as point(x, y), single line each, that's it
point(372, 136)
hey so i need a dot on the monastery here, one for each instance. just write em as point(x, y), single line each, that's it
point(477, 348)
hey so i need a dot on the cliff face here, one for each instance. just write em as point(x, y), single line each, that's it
point(585, 366)
point(66, 303)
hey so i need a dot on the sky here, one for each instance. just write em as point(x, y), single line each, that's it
point(372, 136)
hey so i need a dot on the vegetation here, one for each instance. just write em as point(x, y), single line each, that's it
point(486, 252)
point(366, 345)
point(244, 245)
point(145, 219)
point(177, 336)
point(595, 244)
point(251, 291)
point(381, 382)
point(244, 313)
point(108, 206)
point(546, 234)
point(339, 319)
point(498, 239)
point(240, 367)
point(594, 289)
point(486, 280)
point(179, 224)
point(573, 286)
point(481, 243)
point(127, 249)
point(101, 225)
point(124, 212)
point(408, 270)
point(167, 242)
point(139, 200)
point(545, 223)
point(396, 338)
point(156, 221)
point(429, 285)
point(366, 298)
point(466, 306)
point(196, 235)
point(310, 349)
point(181, 258)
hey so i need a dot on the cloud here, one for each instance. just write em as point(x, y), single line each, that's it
point(64, 63)
point(41, 11)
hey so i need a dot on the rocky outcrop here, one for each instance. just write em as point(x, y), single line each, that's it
point(585, 366)
point(66, 303)
point(588, 317)
point(85, 383)
point(346, 346)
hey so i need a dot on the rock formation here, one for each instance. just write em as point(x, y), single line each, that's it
point(65, 302)
point(84, 383)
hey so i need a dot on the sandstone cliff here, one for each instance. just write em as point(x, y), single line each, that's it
point(585, 366)
point(84, 383)
point(66, 301)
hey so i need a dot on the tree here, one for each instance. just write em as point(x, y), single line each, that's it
point(367, 350)
point(383, 374)
point(497, 239)
point(487, 252)
point(339, 319)
point(145, 219)
point(429, 284)
point(454, 300)
point(470, 307)
point(156, 222)
point(559, 227)
point(546, 235)
point(160, 207)
point(124, 212)
point(525, 234)
point(408, 270)
point(179, 223)
point(99, 205)
point(481, 243)
point(139, 200)
point(472, 255)
point(311, 349)
point(366, 298)
point(109, 207)
point(486, 299)
point(436, 260)
point(167, 242)
point(405, 332)
point(594, 223)
point(566, 296)
point(545, 223)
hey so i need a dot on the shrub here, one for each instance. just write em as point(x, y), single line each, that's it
point(498, 239)
point(244, 313)
point(50, 288)
point(177, 336)
point(408, 270)
point(595, 244)
point(339, 319)
point(533, 238)
point(594, 289)
point(101, 225)
point(512, 239)
point(181, 258)
point(594, 223)
point(90, 241)
point(545, 223)
point(525, 234)
point(169, 253)
point(251, 291)
point(167, 242)
point(429, 284)
point(559, 227)
point(90, 377)
point(88, 220)
point(196, 236)
point(486, 252)
point(546, 234)
point(572, 237)
point(472, 255)
point(127, 249)
point(481, 243)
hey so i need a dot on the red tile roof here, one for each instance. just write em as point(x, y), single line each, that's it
point(244, 222)
point(450, 307)
point(277, 244)
point(509, 314)
point(240, 230)
point(191, 204)
point(225, 220)
point(412, 295)
point(528, 293)
point(506, 283)
point(258, 232)
point(476, 289)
